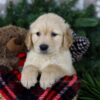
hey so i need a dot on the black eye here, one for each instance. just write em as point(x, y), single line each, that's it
point(38, 33)
point(53, 34)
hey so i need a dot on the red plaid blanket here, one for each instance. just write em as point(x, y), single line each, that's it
point(11, 89)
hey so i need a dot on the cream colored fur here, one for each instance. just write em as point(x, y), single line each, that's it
point(57, 62)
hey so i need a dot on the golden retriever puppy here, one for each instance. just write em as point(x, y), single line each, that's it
point(48, 41)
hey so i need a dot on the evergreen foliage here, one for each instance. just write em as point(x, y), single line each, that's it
point(83, 22)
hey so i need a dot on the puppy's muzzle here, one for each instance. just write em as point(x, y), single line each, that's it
point(44, 47)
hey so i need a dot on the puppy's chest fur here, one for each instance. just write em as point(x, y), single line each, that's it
point(41, 61)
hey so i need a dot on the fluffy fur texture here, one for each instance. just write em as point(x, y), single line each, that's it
point(11, 43)
point(56, 61)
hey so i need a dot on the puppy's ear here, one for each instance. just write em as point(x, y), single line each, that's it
point(28, 41)
point(67, 38)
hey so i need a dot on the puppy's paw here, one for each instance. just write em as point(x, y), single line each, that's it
point(50, 75)
point(29, 78)
point(47, 80)
point(28, 81)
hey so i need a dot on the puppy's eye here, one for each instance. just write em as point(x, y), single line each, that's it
point(53, 34)
point(38, 33)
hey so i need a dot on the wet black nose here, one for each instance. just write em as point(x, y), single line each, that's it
point(43, 47)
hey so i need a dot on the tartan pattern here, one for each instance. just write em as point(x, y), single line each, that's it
point(11, 89)
point(65, 89)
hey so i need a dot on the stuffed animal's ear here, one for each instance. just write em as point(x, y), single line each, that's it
point(67, 38)
point(28, 41)
point(13, 46)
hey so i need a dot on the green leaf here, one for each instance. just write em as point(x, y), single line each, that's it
point(86, 22)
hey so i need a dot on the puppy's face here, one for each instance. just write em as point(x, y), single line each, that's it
point(49, 34)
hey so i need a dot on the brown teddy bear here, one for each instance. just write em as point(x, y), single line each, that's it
point(11, 43)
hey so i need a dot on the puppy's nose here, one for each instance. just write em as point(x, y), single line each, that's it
point(43, 47)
